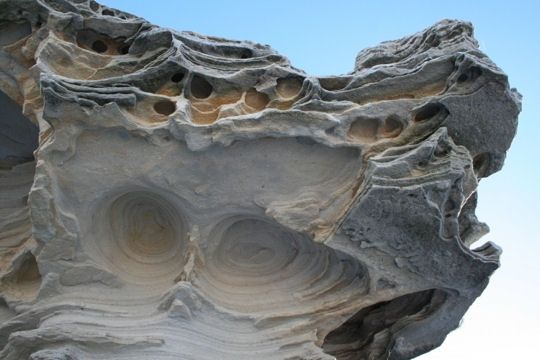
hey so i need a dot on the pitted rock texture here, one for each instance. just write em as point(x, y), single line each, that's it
point(168, 195)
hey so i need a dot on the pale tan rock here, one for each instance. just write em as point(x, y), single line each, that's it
point(192, 197)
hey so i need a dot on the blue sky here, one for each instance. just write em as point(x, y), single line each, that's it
point(323, 38)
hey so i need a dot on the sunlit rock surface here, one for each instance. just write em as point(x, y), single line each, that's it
point(168, 195)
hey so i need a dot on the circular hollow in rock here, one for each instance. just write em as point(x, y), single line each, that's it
point(99, 46)
point(255, 248)
point(364, 129)
point(176, 78)
point(256, 100)
point(471, 74)
point(123, 49)
point(481, 164)
point(246, 54)
point(200, 87)
point(392, 127)
point(142, 237)
point(255, 264)
point(334, 83)
point(165, 107)
point(289, 87)
point(429, 111)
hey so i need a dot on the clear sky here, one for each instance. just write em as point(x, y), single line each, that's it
point(323, 38)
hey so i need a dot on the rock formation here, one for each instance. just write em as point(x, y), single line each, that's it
point(169, 195)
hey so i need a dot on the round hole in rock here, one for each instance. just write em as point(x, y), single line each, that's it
point(289, 87)
point(165, 107)
point(25, 281)
point(107, 12)
point(462, 78)
point(392, 127)
point(334, 83)
point(256, 100)
point(429, 111)
point(246, 54)
point(176, 78)
point(481, 164)
point(123, 49)
point(473, 73)
point(29, 271)
point(364, 129)
point(433, 40)
point(200, 87)
point(99, 46)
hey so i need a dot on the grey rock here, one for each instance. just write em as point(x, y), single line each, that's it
point(171, 195)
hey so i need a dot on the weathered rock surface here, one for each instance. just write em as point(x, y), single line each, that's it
point(167, 195)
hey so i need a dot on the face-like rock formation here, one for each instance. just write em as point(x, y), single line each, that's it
point(167, 195)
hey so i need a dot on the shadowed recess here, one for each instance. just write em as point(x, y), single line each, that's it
point(368, 334)
point(24, 281)
point(200, 87)
point(18, 135)
point(14, 31)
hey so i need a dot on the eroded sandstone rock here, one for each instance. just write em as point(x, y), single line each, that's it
point(167, 195)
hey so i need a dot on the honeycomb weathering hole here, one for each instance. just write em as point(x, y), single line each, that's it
point(101, 43)
point(25, 282)
point(470, 75)
point(364, 129)
point(123, 49)
point(289, 87)
point(176, 78)
point(429, 111)
point(256, 100)
point(392, 127)
point(481, 164)
point(165, 107)
point(246, 54)
point(146, 237)
point(200, 87)
point(334, 83)
point(99, 46)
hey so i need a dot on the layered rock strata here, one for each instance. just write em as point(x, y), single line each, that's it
point(169, 195)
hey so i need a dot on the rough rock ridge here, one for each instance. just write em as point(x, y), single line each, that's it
point(168, 195)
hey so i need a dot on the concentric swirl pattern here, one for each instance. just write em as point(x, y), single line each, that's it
point(146, 237)
point(255, 264)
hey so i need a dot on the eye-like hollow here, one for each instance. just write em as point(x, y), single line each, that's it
point(254, 264)
point(141, 237)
